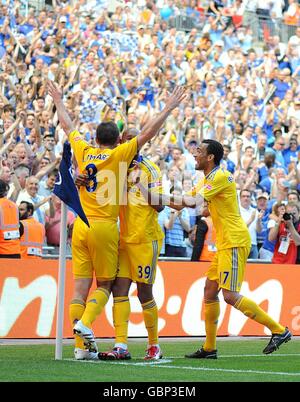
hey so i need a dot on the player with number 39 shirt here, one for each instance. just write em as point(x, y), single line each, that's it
point(140, 243)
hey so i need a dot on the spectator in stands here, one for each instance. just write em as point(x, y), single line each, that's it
point(267, 250)
point(281, 83)
point(262, 147)
point(33, 236)
point(226, 162)
point(5, 174)
point(53, 226)
point(279, 148)
point(266, 165)
point(253, 220)
point(293, 197)
point(262, 206)
point(169, 182)
point(176, 223)
point(290, 154)
point(22, 174)
point(42, 205)
point(47, 186)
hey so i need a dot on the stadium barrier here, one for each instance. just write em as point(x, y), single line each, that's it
point(262, 27)
point(28, 293)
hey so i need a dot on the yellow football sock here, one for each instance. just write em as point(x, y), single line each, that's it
point(76, 310)
point(121, 311)
point(211, 312)
point(253, 311)
point(150, 314)
point(94, 306)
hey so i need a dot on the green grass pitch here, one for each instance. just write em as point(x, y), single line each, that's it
point(239, 360)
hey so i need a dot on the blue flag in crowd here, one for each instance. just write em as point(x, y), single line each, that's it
point(65, 188)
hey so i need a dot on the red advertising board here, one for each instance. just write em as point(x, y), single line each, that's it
point(28, 294)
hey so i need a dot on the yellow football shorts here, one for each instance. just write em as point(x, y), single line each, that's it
point(228, 268)
point(138, 261)
point(95, 249)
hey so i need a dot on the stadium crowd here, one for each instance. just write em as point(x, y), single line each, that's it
point(121, 65)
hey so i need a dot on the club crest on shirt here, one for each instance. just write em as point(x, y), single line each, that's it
point(230, 179)
point(208, 186)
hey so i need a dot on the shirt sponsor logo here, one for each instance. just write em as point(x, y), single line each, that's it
point(101, 157)
point(208, 186)
point(156, 184)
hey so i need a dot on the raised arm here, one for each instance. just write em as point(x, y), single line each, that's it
point(177, 202)
point(62, 113)
point(153, 125)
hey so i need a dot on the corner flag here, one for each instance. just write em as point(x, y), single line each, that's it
point(65, 188)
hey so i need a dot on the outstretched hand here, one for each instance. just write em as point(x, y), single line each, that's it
point(64, 119)
point(54, 91)
point(176, 97)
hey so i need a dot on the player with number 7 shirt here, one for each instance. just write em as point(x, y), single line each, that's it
point(227, 270)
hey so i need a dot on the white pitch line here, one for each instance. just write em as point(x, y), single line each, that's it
point(161, 361)
point(161, 364)
point(231, 370)
point(118, 362)
point(239, 356)
point(223, 370)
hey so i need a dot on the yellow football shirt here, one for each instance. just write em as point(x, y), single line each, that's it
point(107, 173)
point(219, 190)
point(138, 220)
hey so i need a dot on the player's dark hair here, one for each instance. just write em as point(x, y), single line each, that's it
point(214, 148)
point(107, 133)
point(29, 207)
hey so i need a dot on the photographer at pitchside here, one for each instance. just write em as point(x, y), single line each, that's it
point(287, 236)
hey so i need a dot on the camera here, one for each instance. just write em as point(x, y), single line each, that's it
point(287, 217)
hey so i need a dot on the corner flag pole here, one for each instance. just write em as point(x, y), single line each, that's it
point(66, 190)
point(61, 283)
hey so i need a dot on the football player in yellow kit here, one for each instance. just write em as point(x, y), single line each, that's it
point(233, 243)
point(95, 249)
point(140, 243)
